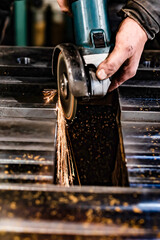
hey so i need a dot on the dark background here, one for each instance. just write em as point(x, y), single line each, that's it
point(58, 26)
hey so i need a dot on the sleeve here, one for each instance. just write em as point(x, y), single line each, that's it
point(146, 13)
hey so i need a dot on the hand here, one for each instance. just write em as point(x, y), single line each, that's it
point(123, 62)
point(64, 5)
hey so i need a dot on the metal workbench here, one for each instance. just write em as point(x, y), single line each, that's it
point(32, 206)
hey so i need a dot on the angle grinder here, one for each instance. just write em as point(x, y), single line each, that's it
point(74, 66)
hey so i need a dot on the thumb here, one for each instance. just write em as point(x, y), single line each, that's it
point(112, 63)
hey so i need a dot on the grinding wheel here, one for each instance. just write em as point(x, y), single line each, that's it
point(68, 101)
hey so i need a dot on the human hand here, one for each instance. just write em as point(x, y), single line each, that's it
point(123, 61)
point(64, 5)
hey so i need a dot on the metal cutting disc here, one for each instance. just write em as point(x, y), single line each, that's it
point(68, 101)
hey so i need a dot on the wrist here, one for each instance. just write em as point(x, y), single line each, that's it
point(135, 28)
point(140, 28)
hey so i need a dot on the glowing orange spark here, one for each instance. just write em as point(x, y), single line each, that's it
point(49, 95)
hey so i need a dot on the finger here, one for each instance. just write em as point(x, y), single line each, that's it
point(115, 60)
point(116, 82)
point(64, 5)
point(128, 71)
point(66, 10)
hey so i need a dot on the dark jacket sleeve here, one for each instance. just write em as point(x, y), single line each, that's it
point(146, 13)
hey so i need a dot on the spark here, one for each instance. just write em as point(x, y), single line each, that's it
point(49, 95)
point(65, 170)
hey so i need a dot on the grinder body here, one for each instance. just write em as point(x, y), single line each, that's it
point(75, 66)
point(91, 25)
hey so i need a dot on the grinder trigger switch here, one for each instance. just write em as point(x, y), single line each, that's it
point(98, 39)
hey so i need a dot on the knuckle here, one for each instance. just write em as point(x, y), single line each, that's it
point(129, 50)
point(116, 84)
point(131, 73)
point(111, 66)
point(64, 9)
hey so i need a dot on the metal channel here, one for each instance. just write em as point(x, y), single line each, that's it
point(139, 100)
